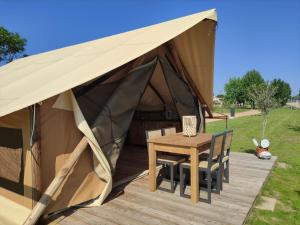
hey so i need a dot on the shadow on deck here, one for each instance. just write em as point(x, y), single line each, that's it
point(133, 204)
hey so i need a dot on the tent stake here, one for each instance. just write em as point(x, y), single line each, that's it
point(56, 182)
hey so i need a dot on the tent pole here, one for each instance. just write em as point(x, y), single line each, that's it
point(56, 182)
point(204, 120)
point(36, 155)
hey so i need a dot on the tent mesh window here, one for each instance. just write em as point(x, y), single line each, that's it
point(11, 153)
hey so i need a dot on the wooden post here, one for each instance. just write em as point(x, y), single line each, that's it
point(194, 175)
point(152, 167)
point(56, 182)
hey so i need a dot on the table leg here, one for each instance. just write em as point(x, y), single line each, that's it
point(152, 167)
point(194, 175)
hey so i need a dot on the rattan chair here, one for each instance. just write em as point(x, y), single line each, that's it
point(168, 162)
point(208, 166)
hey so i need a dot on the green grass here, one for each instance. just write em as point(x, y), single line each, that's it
point(283, 131)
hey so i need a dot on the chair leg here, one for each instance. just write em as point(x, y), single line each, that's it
point(209, 187)
point(164, 172)
point(181, 180)
point(227, 172)
point(172, 178)
point(219, 180)
point(222, 177)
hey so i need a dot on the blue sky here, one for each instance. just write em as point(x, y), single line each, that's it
point(261, 35)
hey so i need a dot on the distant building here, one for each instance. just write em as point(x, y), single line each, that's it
point(217, 100)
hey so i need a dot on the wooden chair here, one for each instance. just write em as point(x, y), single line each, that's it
point(212, 164)
point(168, 131)
point(225, 160)
point(167, 161)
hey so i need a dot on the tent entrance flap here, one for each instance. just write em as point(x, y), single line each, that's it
point(185, 102)
point(111, 124)
point(152, 91)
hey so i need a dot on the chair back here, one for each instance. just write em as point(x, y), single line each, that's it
point(216, 147)
point(153, 133)
point(228, 139)
point(168, 131)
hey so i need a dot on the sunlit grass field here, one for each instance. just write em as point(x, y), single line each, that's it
point(283, 131)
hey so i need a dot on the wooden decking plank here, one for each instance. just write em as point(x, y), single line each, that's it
point(232, 196)
point(156, 212)
point(71, 220)
point(113, 216)
point(216, 207)
point(142, 213)
point(91, 219)
point(238, 195)
point(138, 206)
point(181, 208)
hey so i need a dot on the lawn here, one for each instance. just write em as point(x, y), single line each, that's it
point(283, 131)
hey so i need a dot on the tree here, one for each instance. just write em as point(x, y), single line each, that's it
point(250, 79)
point(12, 45)
point(283, 91)
point(264, 97)
point(234, 91)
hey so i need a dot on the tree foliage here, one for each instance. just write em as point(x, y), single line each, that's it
point(250, 79)
point(264, 97)
point(283, 91)
point(220, 96)
point(234, 92)
point(12, 45)
point(238, 90)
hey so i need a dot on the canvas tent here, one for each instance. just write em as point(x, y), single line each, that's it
point(98, 90)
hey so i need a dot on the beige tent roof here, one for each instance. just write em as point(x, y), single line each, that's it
point(29, 80)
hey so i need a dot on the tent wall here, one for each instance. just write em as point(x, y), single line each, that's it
point(20, 192)
point(196, 50)
point(185, 102)
point(157, 96)
point(59, 136)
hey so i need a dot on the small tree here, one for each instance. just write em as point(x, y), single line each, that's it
point(263, 96)
point(12, 45)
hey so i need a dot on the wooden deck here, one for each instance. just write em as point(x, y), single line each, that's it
point(133, 204)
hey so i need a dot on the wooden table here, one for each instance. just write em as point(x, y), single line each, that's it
point(179, 144)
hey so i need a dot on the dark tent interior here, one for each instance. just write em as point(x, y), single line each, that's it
point(124, 103)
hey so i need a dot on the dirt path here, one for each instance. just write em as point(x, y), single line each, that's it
point(237, 115)
point(294, 104)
